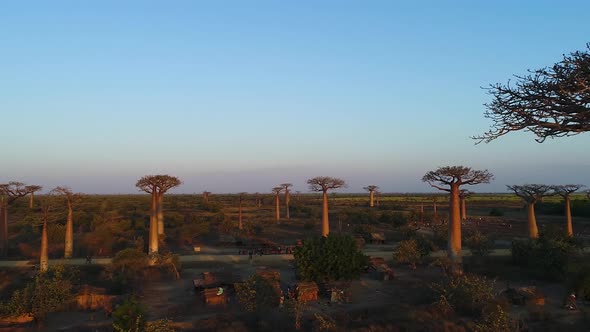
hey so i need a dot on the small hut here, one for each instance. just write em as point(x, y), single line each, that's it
point(215, 296)
point(306, 291)
point(216, 279)
point(270, 275)
point(378, 238)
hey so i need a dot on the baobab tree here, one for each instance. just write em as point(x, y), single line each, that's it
point(463, 194)
point(241, 199)
point(565, 191)
point(323, 184)
point(549, 102)
point(165, 183)
point(454, 177)
point(258, 200)
point(47, 208)
point(206, 196)
point(371, 189)
point(71, 200)
point(156, 185)
point(531, 194)
point(277, 192)
point(286, 187)
point(32, 189)
point(9, 193)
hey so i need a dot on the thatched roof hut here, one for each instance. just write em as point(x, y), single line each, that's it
point(307, 291)
point(215, 296)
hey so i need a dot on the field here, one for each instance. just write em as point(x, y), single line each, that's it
point(105, 225)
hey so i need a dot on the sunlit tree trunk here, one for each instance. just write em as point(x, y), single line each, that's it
point(287, 201)
point(160, 213)
point(69, 245)
point(3, 228)
point(277, 209)
point(435, 213)
point(463, 208)
point(153, 236)
point(325, 220)
point(44, 260)
point(455, 224)
point(532, 221)
point(568, 216)
point(32, 200)
point(371, 198)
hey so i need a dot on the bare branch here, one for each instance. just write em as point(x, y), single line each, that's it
point(325, 183)
point(549, 102)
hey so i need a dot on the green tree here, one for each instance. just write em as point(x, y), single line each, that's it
point(257, 294)
point(129, 316)
point(335, 257)
point(50, 291)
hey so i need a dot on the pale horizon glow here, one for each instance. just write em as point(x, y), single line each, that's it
point(234, 97)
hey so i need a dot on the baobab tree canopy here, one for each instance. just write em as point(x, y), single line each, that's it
point(549, 102)
point(566, 189)
point(371, 187)
point(324, 183)
point(13, 190)
point(162, 182)
point(456, 175)
point(531, 193)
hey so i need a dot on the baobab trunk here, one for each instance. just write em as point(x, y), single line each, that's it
point(371, 197)
point(3, 229)
point(31, 200)
point(325, 221)
point(69, 245)
point(153, 236)
point(160, 214)
point(287, 200)
point(463, 209)
point(278, 209)
point(454, 249)
point(533, 230)
point(568, 216)
point(44, 260)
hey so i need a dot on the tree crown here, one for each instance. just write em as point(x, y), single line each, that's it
point(324, 183)
point(549, 102)
point(456, 175)
point(371, 188)
point(531, 193)
point(160, 183)
point(567, 189)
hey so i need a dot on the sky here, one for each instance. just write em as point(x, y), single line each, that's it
point(235, 96)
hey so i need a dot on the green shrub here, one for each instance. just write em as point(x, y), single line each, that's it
point(257, 294)
point(49, 292)
point(335, 257)
point(466, 294)
point(479, 244)
point(579, 282)
point(547, 257)
point(407, 252)
point(129, 316)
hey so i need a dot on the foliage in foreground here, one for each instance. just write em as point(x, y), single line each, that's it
point(548, 256)
point(49, 292)
point(257, 294)
point(472, 295)
point(335, 257)
point(407, 252)
point(129, 316)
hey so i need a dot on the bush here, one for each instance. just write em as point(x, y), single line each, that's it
point(479, 244)
point(548, 256)
point(466, 294)
point(50, 291)
point(335, 257)
point(257, 294)
point(128, 265)
point(397, 219)
point(407, 252)
point(580, 282)
point(129, 316)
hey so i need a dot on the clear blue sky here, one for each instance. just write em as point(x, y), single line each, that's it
point(243, 95)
